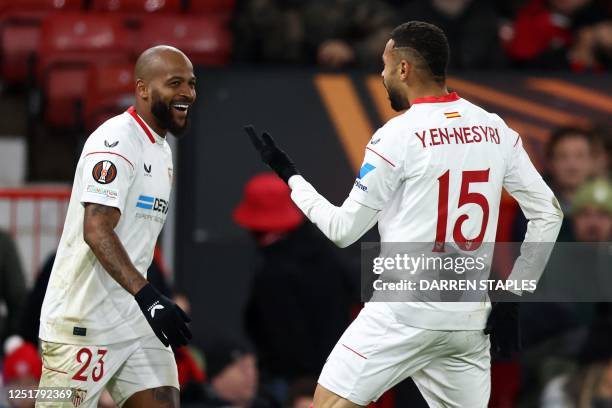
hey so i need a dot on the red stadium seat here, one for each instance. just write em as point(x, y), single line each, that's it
point(205, 39)
point(20, 33)
point(19, 42)
point(137, 6)
point(63, 92)
point(110, 90)
point(70, 43)
point(211, 6)
point(36, 9)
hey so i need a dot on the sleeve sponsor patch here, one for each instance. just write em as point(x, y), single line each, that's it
point(103, 192)
point(104, 172)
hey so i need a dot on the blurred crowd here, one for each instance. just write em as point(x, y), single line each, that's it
point(483, 34)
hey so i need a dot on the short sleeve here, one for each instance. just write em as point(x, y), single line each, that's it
point(381, 171)
point(106, 177)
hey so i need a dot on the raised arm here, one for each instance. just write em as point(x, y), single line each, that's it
point(342, 225)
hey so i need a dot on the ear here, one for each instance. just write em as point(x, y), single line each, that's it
point(142, 89)
point(405, 69)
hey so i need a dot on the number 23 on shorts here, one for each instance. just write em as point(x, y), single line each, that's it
point(84, 358)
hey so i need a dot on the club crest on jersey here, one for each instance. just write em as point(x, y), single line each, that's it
point(104, 172)
point(78, 396)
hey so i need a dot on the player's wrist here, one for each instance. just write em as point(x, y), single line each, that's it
point(288, 172)
point(138, 286)
point(146, 295)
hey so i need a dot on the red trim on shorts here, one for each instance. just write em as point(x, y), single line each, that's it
point(451, 97)
point(132, 111)
point(57, 371)
point(116, 154)
point(380, 155)
point(360, 355)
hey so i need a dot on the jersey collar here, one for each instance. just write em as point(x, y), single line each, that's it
point(451, 97)
point(151, 134)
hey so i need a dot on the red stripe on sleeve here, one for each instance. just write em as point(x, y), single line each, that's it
point(380, 155)
point(116, 154)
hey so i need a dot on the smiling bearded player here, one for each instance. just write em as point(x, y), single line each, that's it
point(102, 324)
point(421, 188)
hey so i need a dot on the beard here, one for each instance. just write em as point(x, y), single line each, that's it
point(398, 101)
point(162, 113)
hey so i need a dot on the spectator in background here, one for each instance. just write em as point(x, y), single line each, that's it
point(561, 33)
point(602, 152)
point(189, 362)
point(576, 272)
point(570, 162)
point(301, 393)
point(22, 370)
point(570, 154)
point(590, 386)
point(331, 33)
point(234, 379)
point(571, 157)
point(592, 212)
point(592, 48)
point(12, 287)
point(472, 28)
point(301, 294)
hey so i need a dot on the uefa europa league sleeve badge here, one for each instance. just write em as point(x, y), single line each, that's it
point(104, 172)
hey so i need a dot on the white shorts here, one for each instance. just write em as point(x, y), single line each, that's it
point(122, 368)
point(450, 368)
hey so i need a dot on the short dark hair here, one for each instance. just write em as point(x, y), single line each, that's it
point(566, 132)
point(429, 41)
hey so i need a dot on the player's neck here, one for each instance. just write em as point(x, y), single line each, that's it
point(148, 118)
point(426, 90)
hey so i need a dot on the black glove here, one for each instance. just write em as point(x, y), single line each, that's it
point(274, 157)
point(165, 318)
point(504, 327)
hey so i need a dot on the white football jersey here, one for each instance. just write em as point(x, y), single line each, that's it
point(442, 159)
point(436, 174)
point(124, 164)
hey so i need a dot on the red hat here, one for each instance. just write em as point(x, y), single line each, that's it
point(21, 362)
point(266, 205)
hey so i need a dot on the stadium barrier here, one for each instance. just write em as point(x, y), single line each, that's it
point(34, 216)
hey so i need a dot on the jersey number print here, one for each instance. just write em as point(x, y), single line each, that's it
point(84, 357)
point(465, 197)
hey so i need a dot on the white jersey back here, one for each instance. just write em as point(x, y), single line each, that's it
point(124, 164)
point(436, 174)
